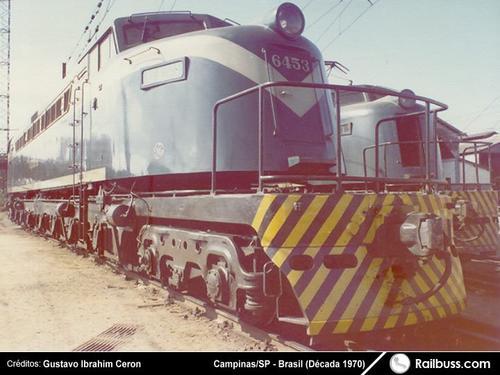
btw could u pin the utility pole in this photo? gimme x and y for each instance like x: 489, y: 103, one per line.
x: 5, y: 70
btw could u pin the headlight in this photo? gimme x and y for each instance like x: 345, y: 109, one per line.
x: 288, y: 20
x: 407, y: 103
x: 422, y: 233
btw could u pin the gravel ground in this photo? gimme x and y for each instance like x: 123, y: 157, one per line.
x: 54, y: 300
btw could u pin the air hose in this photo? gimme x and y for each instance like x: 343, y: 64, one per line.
x: 441, y: 283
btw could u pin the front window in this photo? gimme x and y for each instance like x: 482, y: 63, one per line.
x: 446, y: 150
x: 351, y: 97
x: 141, y: 32
x: 409, y: 136
x: 146, y: 27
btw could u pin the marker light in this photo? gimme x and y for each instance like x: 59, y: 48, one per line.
x: 288, y: 20
x: 407, y: 103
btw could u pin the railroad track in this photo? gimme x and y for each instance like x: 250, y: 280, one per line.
x: 213, y: 313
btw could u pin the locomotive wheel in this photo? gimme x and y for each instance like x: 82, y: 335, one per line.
x: 148, y: 261
x: 217, y: 284
x: 260, y: 313
x: 73, y: 232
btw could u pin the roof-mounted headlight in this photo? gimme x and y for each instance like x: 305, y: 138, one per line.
x: 288, y: 20
x: 407, y: 103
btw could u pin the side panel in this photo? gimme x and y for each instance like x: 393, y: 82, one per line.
x: 480, y: 235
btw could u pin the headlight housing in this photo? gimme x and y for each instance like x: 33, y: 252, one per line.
x: 407, y: 103
x: 422, y: 233
x: 288, y: 20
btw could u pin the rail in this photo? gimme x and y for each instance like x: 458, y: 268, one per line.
x: 338, y: 177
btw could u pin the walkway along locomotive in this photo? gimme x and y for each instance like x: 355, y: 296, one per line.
x: 206, y: 155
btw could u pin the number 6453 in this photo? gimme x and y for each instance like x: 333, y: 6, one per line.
x: 292, y: 63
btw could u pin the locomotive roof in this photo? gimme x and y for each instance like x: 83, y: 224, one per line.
x: 206, y: 21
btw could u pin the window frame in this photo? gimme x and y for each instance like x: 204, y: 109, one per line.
x: 183, y: 77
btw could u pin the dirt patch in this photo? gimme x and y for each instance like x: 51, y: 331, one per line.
x: 54, y: 300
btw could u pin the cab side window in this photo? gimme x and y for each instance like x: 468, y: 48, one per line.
x: 101, y: 53
x: 106, y: 50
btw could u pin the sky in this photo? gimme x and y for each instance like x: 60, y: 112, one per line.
x: 445, y: 49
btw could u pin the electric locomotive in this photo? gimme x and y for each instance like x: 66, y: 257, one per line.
x: 386, y: 136
x: 209, y: 156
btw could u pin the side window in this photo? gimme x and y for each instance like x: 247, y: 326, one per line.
x: 48, y: 120
x: 54, y: 113
x: 171, y: 71
x: 36, y: 127
x: 39, y: 123
x: 106, y: 50
x: 67, y: 98
x: 58, y: 107
x: 93, y: 61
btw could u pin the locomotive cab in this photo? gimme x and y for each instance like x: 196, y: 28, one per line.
x: 393, y: 127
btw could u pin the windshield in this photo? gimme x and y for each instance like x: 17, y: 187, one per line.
x: 141, y: 32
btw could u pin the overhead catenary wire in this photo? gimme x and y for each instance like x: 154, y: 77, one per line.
x: 334, y: 20
x: 97, y: 28
x: 306, y: 5
x: 161, y: 5
x: 341, y: 32
x: 173, y: 5
x: 331, y: 9
x: 481, y: 112
x: 86, y: 28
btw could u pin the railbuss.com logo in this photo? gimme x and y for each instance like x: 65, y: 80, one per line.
x: 399, y: 363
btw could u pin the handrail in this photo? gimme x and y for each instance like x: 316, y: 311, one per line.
x: 475, y: 144
x: 129, y: 58
x: 336, y: 89
x: 345, y: 178
x: 476, y: 162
